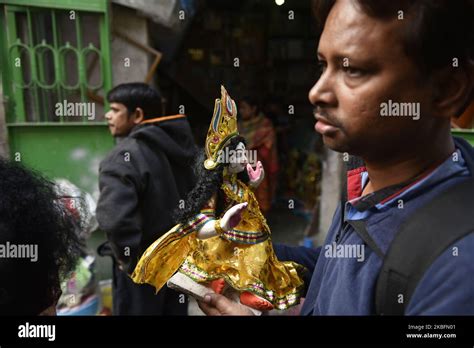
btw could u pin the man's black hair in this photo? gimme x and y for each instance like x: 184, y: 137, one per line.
x: 31, y: 214
x: 137, y: 95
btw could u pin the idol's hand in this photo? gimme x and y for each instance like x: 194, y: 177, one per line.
x: 230, y: 219
x: 232, y: 216
x: 256, y: 176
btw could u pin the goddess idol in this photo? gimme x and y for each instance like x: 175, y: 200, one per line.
x: 221, y: 239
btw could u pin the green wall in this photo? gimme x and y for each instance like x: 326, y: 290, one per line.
x: 71, y: 151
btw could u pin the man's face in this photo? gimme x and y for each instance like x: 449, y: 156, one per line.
x: 364, y: 65
x: 119, y: 121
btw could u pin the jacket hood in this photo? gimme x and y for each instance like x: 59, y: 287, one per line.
x: 172, y: 137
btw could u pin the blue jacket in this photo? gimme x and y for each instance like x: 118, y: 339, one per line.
x: 345, y: 285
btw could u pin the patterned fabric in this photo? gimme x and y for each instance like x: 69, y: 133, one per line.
x: 222, y: 129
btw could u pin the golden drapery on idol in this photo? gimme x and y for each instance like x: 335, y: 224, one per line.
x: 243, y: 256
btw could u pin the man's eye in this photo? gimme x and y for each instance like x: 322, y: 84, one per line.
x: 321, y: 67
x: 353, y: 72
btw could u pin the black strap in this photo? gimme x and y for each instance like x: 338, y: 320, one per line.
x: 360, y: 228
x: 420, y: 240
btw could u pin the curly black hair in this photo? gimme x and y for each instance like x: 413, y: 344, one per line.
x: 31, y: 214
x: 208, y: 183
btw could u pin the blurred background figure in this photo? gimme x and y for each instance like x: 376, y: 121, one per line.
x: 141, y: 181
x: 260, y: 135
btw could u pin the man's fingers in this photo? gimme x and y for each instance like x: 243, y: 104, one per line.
x: 208, y: 309
x: 221, y: 303
x: 214, y: 304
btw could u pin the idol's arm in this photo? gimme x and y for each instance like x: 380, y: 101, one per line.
x: 230, y: 219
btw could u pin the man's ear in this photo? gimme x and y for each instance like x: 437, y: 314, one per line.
x: 454, y: 90
x: 139, y: 116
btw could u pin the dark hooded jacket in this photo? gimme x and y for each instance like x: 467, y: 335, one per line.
x: 141, y: 182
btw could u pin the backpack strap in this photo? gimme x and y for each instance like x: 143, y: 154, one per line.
x: 420, y: 240
x: 361, y: 229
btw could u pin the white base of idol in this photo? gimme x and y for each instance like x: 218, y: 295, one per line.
x: 186, y: 285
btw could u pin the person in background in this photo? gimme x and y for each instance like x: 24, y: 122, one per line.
x: 32, y: 219
x: 275, y: 111
x: 260, y: 136
x: 141, y: 182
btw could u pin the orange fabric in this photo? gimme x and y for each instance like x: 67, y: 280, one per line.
x: 255, y: 302
x: 218, y: 285
x: 163, y: 118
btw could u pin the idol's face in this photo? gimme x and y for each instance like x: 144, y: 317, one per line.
x: 238, y: 159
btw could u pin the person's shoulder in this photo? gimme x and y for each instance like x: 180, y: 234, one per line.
x: 446, y: 287
x: 458, y: 257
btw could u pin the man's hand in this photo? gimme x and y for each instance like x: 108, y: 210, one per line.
x: 215, y: 304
